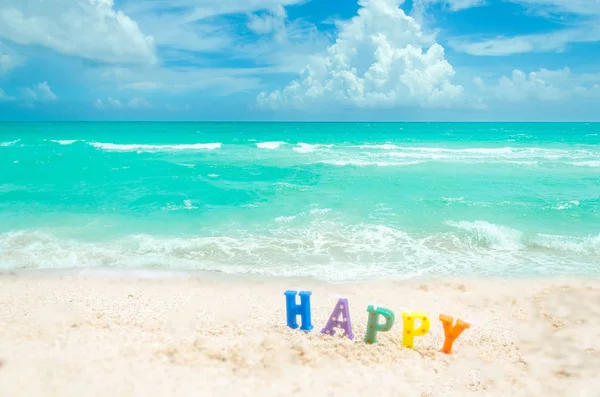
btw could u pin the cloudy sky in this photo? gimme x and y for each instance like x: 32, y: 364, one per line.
x: 300, y: 60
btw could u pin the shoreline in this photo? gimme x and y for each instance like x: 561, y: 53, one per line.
x: 75, y: 334
x: 187, y: 274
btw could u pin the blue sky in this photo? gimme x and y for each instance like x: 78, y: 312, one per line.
x: 479, y: 60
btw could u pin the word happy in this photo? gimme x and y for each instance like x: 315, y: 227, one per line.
x: 340, y: 318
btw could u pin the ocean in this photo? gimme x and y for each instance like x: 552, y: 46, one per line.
x: 334, y: 201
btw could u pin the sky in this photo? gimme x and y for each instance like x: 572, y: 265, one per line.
x: 300, y: 60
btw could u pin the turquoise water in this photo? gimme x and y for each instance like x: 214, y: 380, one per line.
x: 337, y: 201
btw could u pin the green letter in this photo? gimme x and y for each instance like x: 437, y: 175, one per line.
x: 373, y: 325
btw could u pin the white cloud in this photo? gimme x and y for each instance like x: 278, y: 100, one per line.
x: 205, y: 9
x: 4, y: 97
x: 457, y: 5
x: 90, y: 29
x: 452, y: 5
x: 582, y: 7
x: 145, y: 86
x: 7, y: 62
x: 186, y: 30
x: 188, y: 79
x: 585, y: 29
x: 543, y: 85
x: 134, y: 103
x: 381, y: 58
x: 9, y: 59
x: 192, y: 25
x: 114, y: 103
x: 175, y: 32
x: 40, y: 92
x: 176, y: 108
x: 270, y: 22
x: 548, y: 42
x: 139, y: 103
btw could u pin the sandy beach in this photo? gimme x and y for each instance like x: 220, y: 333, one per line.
x: 78, y: 335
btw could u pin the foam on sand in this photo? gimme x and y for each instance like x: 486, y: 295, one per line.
x: 311, y: 244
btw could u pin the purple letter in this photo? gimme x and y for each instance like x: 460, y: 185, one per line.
x: 342, y: 312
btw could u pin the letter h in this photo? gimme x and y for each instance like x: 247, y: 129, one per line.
x: 302, y: 309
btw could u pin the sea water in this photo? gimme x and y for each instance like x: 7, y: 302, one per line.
x: 335, y: 201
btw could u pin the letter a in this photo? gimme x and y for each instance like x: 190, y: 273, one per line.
x: 451, y: 333
x: 373, y: 325
x: 342, y: 312
x: 302, y: 309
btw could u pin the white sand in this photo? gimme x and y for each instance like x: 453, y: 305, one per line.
x: 102, y: 336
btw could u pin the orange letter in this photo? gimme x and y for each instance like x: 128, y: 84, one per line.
x: 451, y: 332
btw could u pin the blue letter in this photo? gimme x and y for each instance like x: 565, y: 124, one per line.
x: 302, y: 309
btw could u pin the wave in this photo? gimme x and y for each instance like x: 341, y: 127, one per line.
x: 270, y: 145
x: 593, y: 163
x: 187, y: 205
x: 566, y: 206
x: 388, y: 154
x: 487, y: 234
x: 10, y: 143
x: 114, y: 147
x: 367, y: 163
x: 385, y: 146
x: 589, y: 245
x: 309, y: 148
x: 64, y: 142
x: 321, y: 249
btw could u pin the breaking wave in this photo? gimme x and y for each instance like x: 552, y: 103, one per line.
x: 114, y: 147
x: 323, y: 250
x: 10, y: 143
x: 270, y: 145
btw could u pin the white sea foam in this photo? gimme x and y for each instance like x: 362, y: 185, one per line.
x: 319, y: 249
x: 114, y: 147
x: 270, y: 145
x: 591, y: 163
x: 369, y: 163
x: 10, y: 143
x: 309, y: 148
x: 488, y: 234
x: 285, y: 219
x: 589, y: 245
x: 319, y: 211
x: 453, y: 199
x: 187, y: 205
x: 385, y: 154
x: 64, y: 142
x: 567, y: 205
x: 385, y: 146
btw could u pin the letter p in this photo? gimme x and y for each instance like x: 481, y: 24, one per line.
x: 373, y: 325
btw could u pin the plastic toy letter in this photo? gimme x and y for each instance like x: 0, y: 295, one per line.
x: 341, y: 310
x: 451, y: 333
x: 373, y: 325
x: 302, y: 309
x: 409, y: 327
